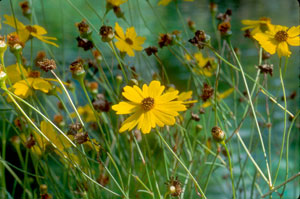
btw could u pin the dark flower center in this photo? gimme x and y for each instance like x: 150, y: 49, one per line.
x: 31, y: 29
x: 34, y: 74
x: 148, y: 103
x: 129, y: 41
x: 281, y: 36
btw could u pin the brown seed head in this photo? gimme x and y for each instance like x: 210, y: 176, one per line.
x: 74, y: 128
x: 174, y: 187
x: 83, y: 27
x: 76, y: 67
x: 195, y: 117
x: 224, y: 27
x: 207, y: 92
x: 217, y: 134
x: 101, y: 104
x: 14, y: 41
x: 151, y: 50
x: 34, y: 74
x: 30, y: 142
x: 81, y: 138
x: 266, y: 68
x: 47, y: 64
x: 84, y: 43
x: 165, y: 40
x: 106, y: 33
x: 281, y: 36
x: 25, y: 7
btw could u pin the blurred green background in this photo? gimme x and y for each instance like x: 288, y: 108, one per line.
x: 59, y: 18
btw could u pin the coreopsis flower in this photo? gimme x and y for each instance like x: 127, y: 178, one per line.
x: 166, y: 2
x: 220, y: 96
x: 41, y: 143
x: 149, y: 107
x: 205, y: 65
x: 129, y: 41
x: 116, y: 2
x: 278, y: 38
x: 27, y: 32
x: 86, y: 113
x: 257, y: 26
x: 25, y: 87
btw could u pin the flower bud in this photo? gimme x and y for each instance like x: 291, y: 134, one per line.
x: 3, y: 46
x: 106, y: 33
x: 77, y: 69
x: 217, y: 134
x: 119, y: 79
x: 3, y: 76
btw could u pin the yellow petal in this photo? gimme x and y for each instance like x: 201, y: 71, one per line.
x: 11, y: 21
x: 133, y: 94
x: 131, y: 122
x: 250, y: 22
x: 42, y: 85
x: 125, y: 107
x: 164, y: 2
x: 40, y: 30
x: 283, y: 49
x: 294, y: 31
x: 23, y: 88
x: 119, y: 31
x: 267, y: 43
x: 163, y: 117
x: 130, y: 33
x: 169, y: 96
x: 225, y: 93
x: 155, y: 89
x: 14, y: 73
x: 42, y: 38
x: 294, y: 41
x: 146, y: 123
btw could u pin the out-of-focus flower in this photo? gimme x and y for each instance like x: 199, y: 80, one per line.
x: 205, y: 65
x: 24, y: 87
x: 129, y: 41
x: 26, y: 32
x: 149, y: 107
x: 278, y: 38
x: 86, y: 113
x: 257, y: 26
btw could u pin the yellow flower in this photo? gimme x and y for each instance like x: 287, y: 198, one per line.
x: 185, y: 97
x: 206, y: 65
x: 86, y: 112
x: 256, y: 26
x: 116, y: 2
x: 220, y: 96
x: 33, y: 81
x: 129, y: 41
x: 149, y: 107
x: 278, y: 38
x: 57, y: 139
x: 26, y: 32
x: 166, y: 2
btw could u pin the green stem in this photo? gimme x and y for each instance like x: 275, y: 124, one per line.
x: 230, y: 169
x: 182, y: 164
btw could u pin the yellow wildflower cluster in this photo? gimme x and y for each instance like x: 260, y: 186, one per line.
x: 273, y: 38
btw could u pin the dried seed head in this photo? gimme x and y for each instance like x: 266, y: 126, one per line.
x: 84, y: 43
x: 191, y: 25
x: 174, y: 187
x: 83, y: 28
x: 101, y: 104
x: 118, y: 12
x: 224, y: 28
x: 97, y: 55
x: 247, y: 33
x: 3, y: 45
x: 201, y: 110
x: 207, y: 92
x: 59, y: 120
x: 25, y: 8
x: 81, y: 138
x: 77, y: 68
x: 225, y: 17
x: 30, y: 142
x: 266, y: 68
x: 200, y: 39
x: 93, y: 87
x: 217, y: 134
x: 165, y: 40
x: 195, y: 117
x: 74, y: 128
x: 14, y: 42
x: 151, y: 50
x: 106, y: 33
x: 47, y: 64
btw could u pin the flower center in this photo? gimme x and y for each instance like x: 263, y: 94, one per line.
x: 31, y: 29
x: 281, y: 36
x: 129, y: 41
x: 148, y: 103
x: 208, y: 65
x: 34, y: 74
